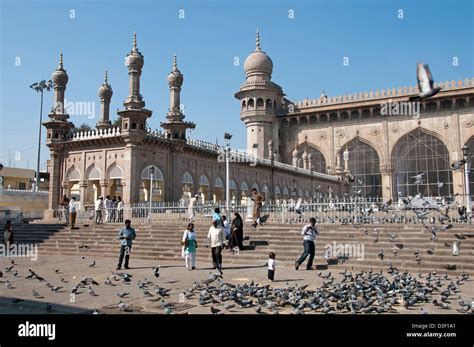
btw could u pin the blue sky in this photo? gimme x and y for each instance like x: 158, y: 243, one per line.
x: 307, y: 51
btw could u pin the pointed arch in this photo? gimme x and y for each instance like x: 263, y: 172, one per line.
x: 420, y: 152
x: 364, y: 165
x: 73, y: 174
x: 318, y: 156
x: 114, y: 171
x: 93, y: 173
x: 157, y: 175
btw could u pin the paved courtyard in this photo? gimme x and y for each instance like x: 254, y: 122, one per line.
x: 173, y: 276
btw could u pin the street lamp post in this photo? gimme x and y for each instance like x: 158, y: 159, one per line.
x: 467, y: 171
x: 152, y: 172
x: 40, y: 87
x: 227, y: 138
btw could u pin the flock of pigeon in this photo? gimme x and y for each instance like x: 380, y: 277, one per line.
x: 360, y: 292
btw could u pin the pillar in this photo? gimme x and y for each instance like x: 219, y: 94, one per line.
x: 54, y: 185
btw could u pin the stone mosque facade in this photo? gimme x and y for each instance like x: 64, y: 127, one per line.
x: 375, y: 138
x: 120, y: 161
x: 294, y: 148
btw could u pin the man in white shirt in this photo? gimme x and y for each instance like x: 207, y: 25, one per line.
x: 108, y: 208
x: 98, y: 206
x: 309, y: 232
x: 120, y: 209
x: 217, y: 239
x: 226, y: 227
x: 72, y: 213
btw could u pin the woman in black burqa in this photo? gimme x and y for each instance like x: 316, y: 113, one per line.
x: 237, y: 235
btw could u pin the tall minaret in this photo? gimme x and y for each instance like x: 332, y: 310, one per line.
x: 260, y: 99
x: 175, y: 127
x: 57, y: 130
x: 60, y: 79
x: 134, y: 115
x: 105, y: 94
x: 134, y: 62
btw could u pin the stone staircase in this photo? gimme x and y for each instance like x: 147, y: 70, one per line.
x: 162, y: 242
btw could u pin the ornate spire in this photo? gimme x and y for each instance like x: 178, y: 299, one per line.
x: 60, y: 67
x: 175, y: 63
x: 135, y: 49
x: 257, y: 48
x: 106, y: 78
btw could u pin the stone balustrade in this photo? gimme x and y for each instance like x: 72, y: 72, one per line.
x: 95, y: 134
x: 384, y: 93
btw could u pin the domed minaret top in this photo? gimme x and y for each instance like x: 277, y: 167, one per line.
x: 60, y: 76
x: 258, y: 65
x: 105, y: 90
x: 135, y: 58
x: 175, y: 77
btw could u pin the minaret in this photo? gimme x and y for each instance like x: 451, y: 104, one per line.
x: 105, y: 94
x: 60, y: 79
x: 134, y: 115
x: 175, y: 126
x: 57, y: 130
x: 260, y: 99
x: 134, y: 62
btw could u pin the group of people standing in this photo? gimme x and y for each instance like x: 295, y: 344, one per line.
x: 113, y: 208
x: 69, y: 211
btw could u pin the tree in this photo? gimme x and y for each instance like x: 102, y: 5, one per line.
x: 117, y: 122
x: 83, y: 127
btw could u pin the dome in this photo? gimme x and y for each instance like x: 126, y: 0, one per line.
x: 134, y: 59
x: 105, y: 90
x: 59, y: 76
x: 295, y: 153
x: 258, y: 61
x: 175, y: 77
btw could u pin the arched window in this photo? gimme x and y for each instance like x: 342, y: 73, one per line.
x: 187, y: 178
x: 460, y: 103
x: 419, y: 153
x: 293, y: 121
x: 244, y: 104
x: 446, y: 104
x: 255, y: 185
x: 284, y: 123
x: 259, y: 103
x: 323, y: 118
x: 244, y: 186
x: 285, y: 191
x: 157, y: 174
x: 94, y: 174
x: 134, y: 125
x: 303, y: 120
x: 232, y: 184
x: 251, y: 104
x: 218, y: 183
x: 313, y: 119
x: 365, y: 113
x: 344, y: 115
x: 269, y: 104
x: 355, y: 114
x: 333, y: 117
x: 158, y: 191
x: 277, y: 190
x: 431, y: 107
x: 316, y: 159
x: 203, y: 181
x: 365, y: 167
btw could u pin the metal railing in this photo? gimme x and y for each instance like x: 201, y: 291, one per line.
x: 355, y: 211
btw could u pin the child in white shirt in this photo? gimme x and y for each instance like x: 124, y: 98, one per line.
x: 271, y: 266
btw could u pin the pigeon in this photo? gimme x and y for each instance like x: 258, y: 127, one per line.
x: 425, y: 83
x: 123, y: 306
x: 56, y: 288
x: 91, y: 291
x: 63, y: 280
x: 214, y: 310
x: 57, y: 271
x: 228, y: 306
x: 16, y: 300
x: 380, y: 254
x: 36, y: 294
x: 8, y: 285
x: 109, y: 282
x: 9, y: 269
x: 122, y: 294
x: 1, y: 274
x: 156, y: 271
x: 93, y: 264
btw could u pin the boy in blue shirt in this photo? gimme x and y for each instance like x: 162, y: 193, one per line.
x: 126, y: 236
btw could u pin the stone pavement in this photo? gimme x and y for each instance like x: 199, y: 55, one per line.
x: 173, y: 275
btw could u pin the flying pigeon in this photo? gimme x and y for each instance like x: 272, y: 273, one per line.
x: 425, y: 83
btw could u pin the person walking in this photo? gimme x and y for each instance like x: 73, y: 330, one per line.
x: 98, y: 206
x: 258, y: 199
x: 190, y: 244
x: 309, y: 232
x: 119, y: 210
x: 126, y: 236
x: 72, y: 213
x: 217, y: 239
